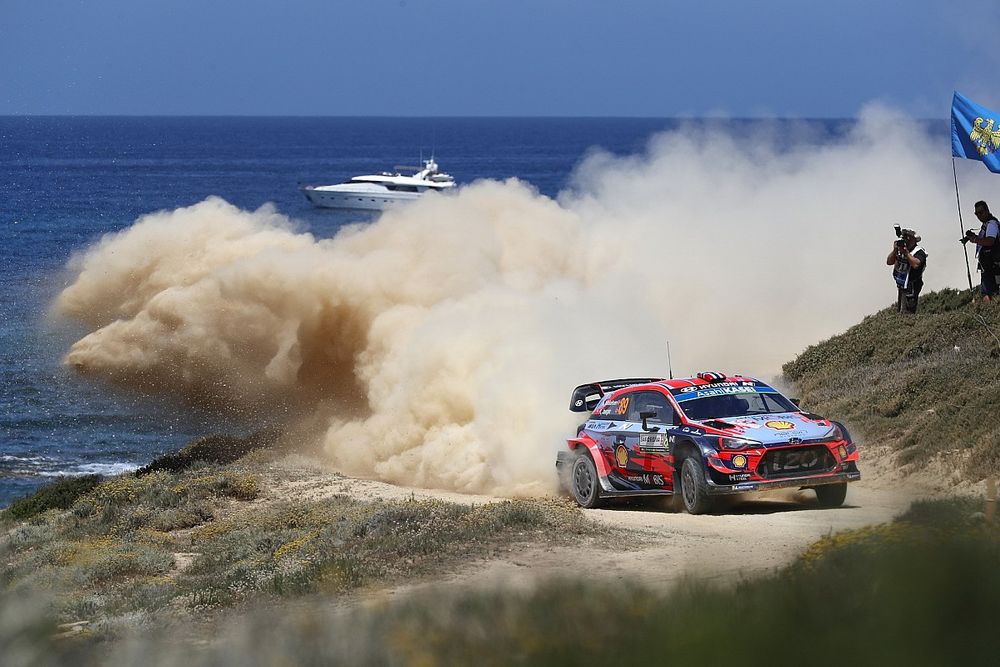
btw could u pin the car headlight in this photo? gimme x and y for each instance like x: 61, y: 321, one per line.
x: 838, y: 432
x: 737, y: 443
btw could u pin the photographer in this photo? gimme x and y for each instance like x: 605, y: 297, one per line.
x: 987, y: 251
x: 908, y: 261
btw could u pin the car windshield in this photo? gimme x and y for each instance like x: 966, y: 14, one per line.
x: 736, y: 405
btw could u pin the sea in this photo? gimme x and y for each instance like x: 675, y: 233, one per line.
x: 66, y: 181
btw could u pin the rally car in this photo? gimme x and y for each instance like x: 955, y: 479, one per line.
x: 701, y: 437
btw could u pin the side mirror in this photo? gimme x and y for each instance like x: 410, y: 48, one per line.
x: 795, y: 401
x: 649, y: 414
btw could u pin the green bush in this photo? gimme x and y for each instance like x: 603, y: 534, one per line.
x: 218, y: 449
x: 60, y: 494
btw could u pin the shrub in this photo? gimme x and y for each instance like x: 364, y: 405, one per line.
x: 924, y: 385
x: 210, y: 449
x: 60, y: 494
x: 925, y: 591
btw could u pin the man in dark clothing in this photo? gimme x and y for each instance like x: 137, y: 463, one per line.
x: 987, y: 251
x: 908, y: 261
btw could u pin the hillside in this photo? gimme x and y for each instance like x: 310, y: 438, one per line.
x: 925, y: 386
x: 234, y: 550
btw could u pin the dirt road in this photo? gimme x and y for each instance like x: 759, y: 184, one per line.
x: 750, y: 537
x: 747, y: 537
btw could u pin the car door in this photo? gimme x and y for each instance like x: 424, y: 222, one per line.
x: 618, y: 438
x: 649, y: 448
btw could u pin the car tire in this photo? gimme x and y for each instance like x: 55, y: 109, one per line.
x: 831, y: 495
x: 584, y: 483
x: 694, y: 487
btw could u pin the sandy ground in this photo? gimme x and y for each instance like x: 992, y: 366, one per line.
x: 750, y: 535
x: 660, y: 547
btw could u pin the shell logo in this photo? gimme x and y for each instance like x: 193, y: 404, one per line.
x: 739, y: 461
x: 779, y: 425
x: 621, y: 455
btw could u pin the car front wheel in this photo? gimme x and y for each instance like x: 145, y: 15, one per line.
x: 585, y: 484
x: 831, y: 495
x: 694, y: 488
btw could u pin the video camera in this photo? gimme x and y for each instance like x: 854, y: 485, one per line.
x: 900, y: 241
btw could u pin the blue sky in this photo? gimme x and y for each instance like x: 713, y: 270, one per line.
x: 486, y: 58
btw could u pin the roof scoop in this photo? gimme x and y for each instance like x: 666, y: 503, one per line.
x: 718, y: 424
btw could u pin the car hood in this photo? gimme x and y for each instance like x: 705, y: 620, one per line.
x: 772, y: 429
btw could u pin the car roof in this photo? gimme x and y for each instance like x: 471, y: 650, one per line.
x: 587, y: 396
x: 704, y: 379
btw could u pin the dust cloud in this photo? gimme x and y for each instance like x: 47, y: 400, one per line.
x: 438, y: 346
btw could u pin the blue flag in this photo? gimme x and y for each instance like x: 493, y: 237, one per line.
x: 975, y: 132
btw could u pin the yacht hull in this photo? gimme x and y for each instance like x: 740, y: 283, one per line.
x: 372, y: 201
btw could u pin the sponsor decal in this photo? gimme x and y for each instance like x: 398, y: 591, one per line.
x: 795, y: 459
x: 658, y: 480
x: 779, y: 424
x: 721, y: 389
x: 621, y: 455
x: 610, y: 407
x: 714, y: 391
x: 739, y: 477
x: 739, y: 461
x: 701, y: 387
x: 652, y: 443
x: 641, y: 479
x: 758, y: 420
x: 744, y: 487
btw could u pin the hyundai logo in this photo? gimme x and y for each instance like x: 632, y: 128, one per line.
x: 794, y: 441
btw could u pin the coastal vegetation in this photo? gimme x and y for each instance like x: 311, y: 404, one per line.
x: 196, y: 559
x: 923, y: 590
x: 59, y: 494
x: 145, y: 549
x: 927, y: 386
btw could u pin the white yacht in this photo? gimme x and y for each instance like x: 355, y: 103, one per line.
x: 377, y: 191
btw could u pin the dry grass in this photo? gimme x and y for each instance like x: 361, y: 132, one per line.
x: 928, y: 385
x: 136, y: 550
x: 922, y: 591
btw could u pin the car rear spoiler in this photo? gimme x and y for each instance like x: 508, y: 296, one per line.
x: 586, y: 397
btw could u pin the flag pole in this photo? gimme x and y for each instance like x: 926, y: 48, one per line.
x: 961, y: 224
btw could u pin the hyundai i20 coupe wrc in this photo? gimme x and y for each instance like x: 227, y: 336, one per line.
x: 699, y: 438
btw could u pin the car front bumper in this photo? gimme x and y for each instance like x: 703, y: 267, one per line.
x: 851, y: 475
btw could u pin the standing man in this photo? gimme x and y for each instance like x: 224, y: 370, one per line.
x: 986, y: 250
x: 908, y: 261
